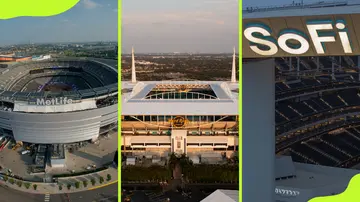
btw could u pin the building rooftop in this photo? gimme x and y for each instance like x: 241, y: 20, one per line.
x: 136, y: 102
x: 223, y: 196
x: 310, y: 180
x: 58, y: 151
x: 298, y: 9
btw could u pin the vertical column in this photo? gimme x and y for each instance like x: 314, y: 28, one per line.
x: 318, y: 63
x: 258, y: 133
x: 340, y: 62
x: 359, y: 66
x: 333, y: 68
x: 298, y: 66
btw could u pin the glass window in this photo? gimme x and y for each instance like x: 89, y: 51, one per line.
x: 167, y: 118
x: 196, y: 118
x: 203, y: 118
x: 154, y: 118
x: 211, y: 118
x: 161, y: 118
x: 147, y: 118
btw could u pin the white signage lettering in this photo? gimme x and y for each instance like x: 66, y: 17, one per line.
x: 321, y: 32
x: 286, y: 192
x: 248, y: 33
x: 304, y: 44
x: 54, y: 101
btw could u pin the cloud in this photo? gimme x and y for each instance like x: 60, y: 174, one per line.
x: 89, y: 4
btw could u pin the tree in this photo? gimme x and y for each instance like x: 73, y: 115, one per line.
x: 27, y: 185
x: 93, y: 181
x: 185, y: 164
x: 108, y: 177
x: 12, y: 181
x: 19, y: 183
x: 101, y: 179
x: 173, y: 160
x: 77, y: 185
x: 5, y: 178
x: 69, y: 186
x: 85, y: 183
x: 35, y: 186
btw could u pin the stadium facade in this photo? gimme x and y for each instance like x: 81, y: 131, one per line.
x: 13, y: 58
x: 306, y: 101
x: 63, y: 100
x: 191, y: 117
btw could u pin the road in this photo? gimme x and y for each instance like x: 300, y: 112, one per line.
x: 105, y: 194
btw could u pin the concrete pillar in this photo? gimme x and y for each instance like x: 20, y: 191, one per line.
x: 333, y: 68
x: 298, y: 66
x: 359, y: 66
x: 318, y: 63
x: 258, y: 135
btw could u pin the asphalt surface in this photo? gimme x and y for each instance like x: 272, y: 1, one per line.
x: 194, y: 192
x: 105, y: 194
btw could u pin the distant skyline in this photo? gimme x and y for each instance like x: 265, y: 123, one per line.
x: 89, y: 20
x: 264, y: 3
x: 204, y: 26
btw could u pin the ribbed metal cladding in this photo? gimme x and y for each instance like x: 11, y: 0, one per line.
x: 58, y: 127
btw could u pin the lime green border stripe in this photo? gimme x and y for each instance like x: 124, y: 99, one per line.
x: 119, y: 99
x: 240, y: 99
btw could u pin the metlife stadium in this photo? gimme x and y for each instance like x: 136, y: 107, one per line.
x: 56, y: 101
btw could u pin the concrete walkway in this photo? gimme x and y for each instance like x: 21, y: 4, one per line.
x: 53, y: 188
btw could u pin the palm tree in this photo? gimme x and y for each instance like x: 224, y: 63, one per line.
x: 173, y: 160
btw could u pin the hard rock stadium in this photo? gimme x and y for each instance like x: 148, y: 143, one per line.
x: 301, y: 121
x: 192, y: 117
x: 57, y: 101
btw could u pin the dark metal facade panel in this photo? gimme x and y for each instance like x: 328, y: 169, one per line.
x: 58, y: 127
x: 278, y: 24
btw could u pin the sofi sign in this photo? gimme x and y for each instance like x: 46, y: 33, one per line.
x: 296, y: 42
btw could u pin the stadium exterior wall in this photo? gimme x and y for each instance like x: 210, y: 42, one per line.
x: 53, y: 128
x: 259, y: 130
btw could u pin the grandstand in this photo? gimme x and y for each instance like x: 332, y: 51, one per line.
x: 311, y: 109
x: 30, y: 107
x: 317, y: 115
x: 192, y: 117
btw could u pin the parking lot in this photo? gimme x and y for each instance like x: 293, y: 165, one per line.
x: 17, y: 163
x: 92, y: 154
x: 88, y: 157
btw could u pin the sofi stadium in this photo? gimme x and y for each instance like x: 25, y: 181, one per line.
x: 191, y: 117
x: 301, y: 73
x: 63, y: 100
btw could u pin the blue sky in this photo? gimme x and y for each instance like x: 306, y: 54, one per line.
x: 89, y: 20
x: 207, y: 26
